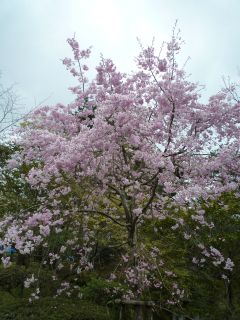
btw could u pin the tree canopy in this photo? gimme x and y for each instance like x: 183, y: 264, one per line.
x: 135, y: 166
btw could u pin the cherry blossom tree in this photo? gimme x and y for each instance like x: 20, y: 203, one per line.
x: 129, y: 149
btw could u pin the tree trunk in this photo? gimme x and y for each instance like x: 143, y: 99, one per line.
x: 132, y: 242
x: 230, y: 299
x: 149, y: 313
x: 132, y: 235
x: 139, y: 312
x: 120, y: 312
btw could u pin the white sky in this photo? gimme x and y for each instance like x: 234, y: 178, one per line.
x: 33, y: 37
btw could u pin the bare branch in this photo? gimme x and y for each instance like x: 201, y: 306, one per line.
x: 105, y: 215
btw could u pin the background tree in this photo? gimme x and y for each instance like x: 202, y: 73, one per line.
x: 9, y: 108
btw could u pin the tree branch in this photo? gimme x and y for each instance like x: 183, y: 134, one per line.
x: 105, y: 215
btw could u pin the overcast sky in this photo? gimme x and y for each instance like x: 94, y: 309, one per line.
x: 33, y: 39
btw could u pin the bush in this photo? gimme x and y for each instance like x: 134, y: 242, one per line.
x: 101, y: 291
x: 51, y: 309
x: 11, y: 279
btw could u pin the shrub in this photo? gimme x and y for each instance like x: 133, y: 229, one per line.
x: 51, y: 309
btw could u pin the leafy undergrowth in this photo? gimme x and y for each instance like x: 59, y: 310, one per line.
x: 12, y: 308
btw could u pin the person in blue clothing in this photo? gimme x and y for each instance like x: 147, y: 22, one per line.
x: 2, y: 248
x: 11, y: 249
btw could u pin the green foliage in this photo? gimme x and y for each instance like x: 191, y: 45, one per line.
x: 11, y: 279
x: 5, y: 152
x: 15, y: 193
x: 102, y: 291
x: 51, y: 309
